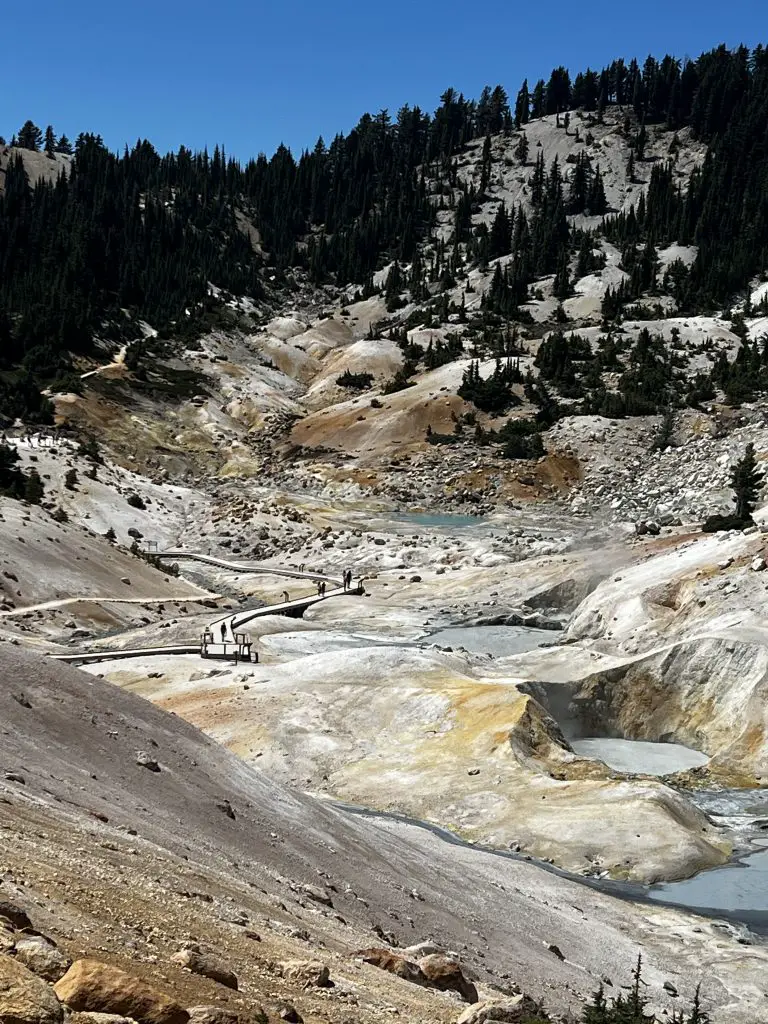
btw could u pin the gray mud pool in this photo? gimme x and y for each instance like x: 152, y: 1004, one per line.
x: 499, y: 641
x: 640, y: 756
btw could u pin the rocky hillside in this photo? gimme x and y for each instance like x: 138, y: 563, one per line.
x: 247, y: 897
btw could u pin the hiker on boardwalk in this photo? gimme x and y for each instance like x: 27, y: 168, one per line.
x: 347, y: 579
x: 286, y: 597
x: 223, y: 632
x: 322, y: 588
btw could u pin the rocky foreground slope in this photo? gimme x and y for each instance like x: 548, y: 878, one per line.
x: 128, y: 837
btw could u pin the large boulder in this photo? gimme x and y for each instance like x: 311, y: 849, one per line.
x: 516, y: 1010
x: 14, y: 914
x: 211, y: 1015
x: 25, y: 999
x: 7, y: 937
x: 394, y: 964
x: 206, y: 965
x: 446, y: 974
x: 42, y: 958
x: 420, y: 949
x: 93, y: 986
x: 306, y: 972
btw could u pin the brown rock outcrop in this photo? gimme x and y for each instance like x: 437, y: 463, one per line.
x: 24, y: 998
x: 94, y: 986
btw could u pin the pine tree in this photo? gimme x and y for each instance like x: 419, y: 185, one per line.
x: 697, y: 1015
x: 394, y: 287
x: 485, y: 166
x: 30, y: 136
x: 50, y: 143
x: 537, y: 99
x: 631, y: 167
x: 597, y: 201
x: 11, y: 477
x: 521, y: 149
x: 562, y: 285
x: 64, y: 146
x: 579, y: 189
x: 523, y: 106
x: 597, y: 1011
x: 746, y: 480
x: 33, y: 490
x: 663, y: 437
x: 500, y: 238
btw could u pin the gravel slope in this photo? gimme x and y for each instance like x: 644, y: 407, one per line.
x: 74, y: 740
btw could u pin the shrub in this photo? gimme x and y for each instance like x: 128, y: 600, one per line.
x: 712, y: 524
x: 355, y: 381
x: 90, y: 450
x: 135, y: 501
x: 33, y: 490
x: 401, y: 380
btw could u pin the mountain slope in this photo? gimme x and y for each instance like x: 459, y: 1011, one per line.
x: 74, y: 740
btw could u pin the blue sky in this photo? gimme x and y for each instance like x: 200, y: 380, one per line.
x: 251, y: 75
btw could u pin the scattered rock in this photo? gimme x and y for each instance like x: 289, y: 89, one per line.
x: 42, y: 958
x: 556, y: 950
x: 306, y: 972
x: 143, y: 760
x: 757, y: 564
x: 421, y: 949
x: 92, y: 985
x: 7, y: 941
x: 510, y: 1011
x: 669, y: 987
x: 17, y: 917
x: 206, y: 965
x: 394, y: 964
x: 99, y: 1018
x: 289, y: 1012
x: 318, y: 894
x: 446, y: 975
x: 211, y: 1015
x: 15, y: 777
x: 25, y: 999
x: 226, y: 808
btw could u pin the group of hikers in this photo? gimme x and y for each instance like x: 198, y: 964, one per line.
x: 44, y: 438
x: 346, y: 578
